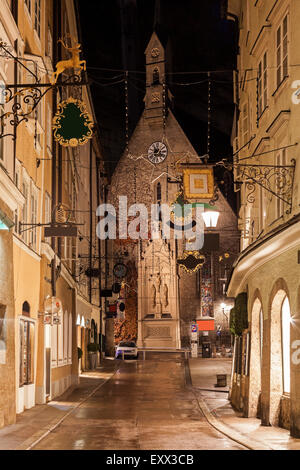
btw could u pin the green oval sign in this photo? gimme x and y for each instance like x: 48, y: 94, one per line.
x: 72, y: 124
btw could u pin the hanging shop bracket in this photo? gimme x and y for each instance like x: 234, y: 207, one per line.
x: 278, y: 180
x: 25, y: 97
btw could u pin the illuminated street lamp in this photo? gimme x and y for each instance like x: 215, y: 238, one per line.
x: 210, y: 218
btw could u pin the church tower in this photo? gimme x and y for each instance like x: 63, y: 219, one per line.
x: 148, y: 173
x: 155, y: 99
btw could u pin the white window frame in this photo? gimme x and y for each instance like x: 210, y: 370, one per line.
x: 281, y: 43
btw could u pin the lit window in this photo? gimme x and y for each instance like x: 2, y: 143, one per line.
x: 285, y: 339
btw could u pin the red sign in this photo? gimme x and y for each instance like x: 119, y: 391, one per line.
x: 112, y: 308
x: 206, y: 325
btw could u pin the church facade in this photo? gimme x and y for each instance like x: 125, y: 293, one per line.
x: 149, y: 172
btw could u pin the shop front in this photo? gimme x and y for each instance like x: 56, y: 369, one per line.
x: 84, y: 313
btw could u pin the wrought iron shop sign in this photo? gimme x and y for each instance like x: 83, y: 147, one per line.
x: 278, y: 180
x: 192, y: 261
x: 72, y: 124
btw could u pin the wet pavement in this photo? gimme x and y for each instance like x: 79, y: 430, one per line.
x: 146, y: 405
x: 248, y: 430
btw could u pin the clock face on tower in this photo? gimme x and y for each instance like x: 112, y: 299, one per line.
x: 157, y: 152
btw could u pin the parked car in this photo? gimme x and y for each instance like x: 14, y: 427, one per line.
x: 129, y: 348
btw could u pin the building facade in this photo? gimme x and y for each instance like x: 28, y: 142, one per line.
x: 266, y: 372
x: 40, y: 182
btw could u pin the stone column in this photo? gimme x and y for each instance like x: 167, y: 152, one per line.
x: 265, y: 375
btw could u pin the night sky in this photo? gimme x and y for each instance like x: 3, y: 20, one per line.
x: 197, y: 38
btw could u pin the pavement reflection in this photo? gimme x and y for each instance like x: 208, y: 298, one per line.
x: 144, y: 406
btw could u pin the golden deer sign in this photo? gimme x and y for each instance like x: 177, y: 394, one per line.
x: 73, y: 63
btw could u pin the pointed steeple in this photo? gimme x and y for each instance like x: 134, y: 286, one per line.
x: 155, y: 78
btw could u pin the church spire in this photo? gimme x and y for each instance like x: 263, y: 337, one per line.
x: 155, y: 78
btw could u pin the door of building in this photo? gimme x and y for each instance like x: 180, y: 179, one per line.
x: 48, y: 361
x: 26, y: 352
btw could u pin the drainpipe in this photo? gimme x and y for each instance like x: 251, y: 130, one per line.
x: 56, y: 31
x: 99, y: 257
x: 91, y: 218
x: 15, y: 103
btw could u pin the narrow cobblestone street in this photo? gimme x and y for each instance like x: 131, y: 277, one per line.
x: 145, y: 405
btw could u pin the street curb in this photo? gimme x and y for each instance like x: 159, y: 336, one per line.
x: 228, y: 431
x: 231, y: 433
x: 36, y: 438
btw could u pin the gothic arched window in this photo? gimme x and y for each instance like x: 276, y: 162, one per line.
x: 155, y: 76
